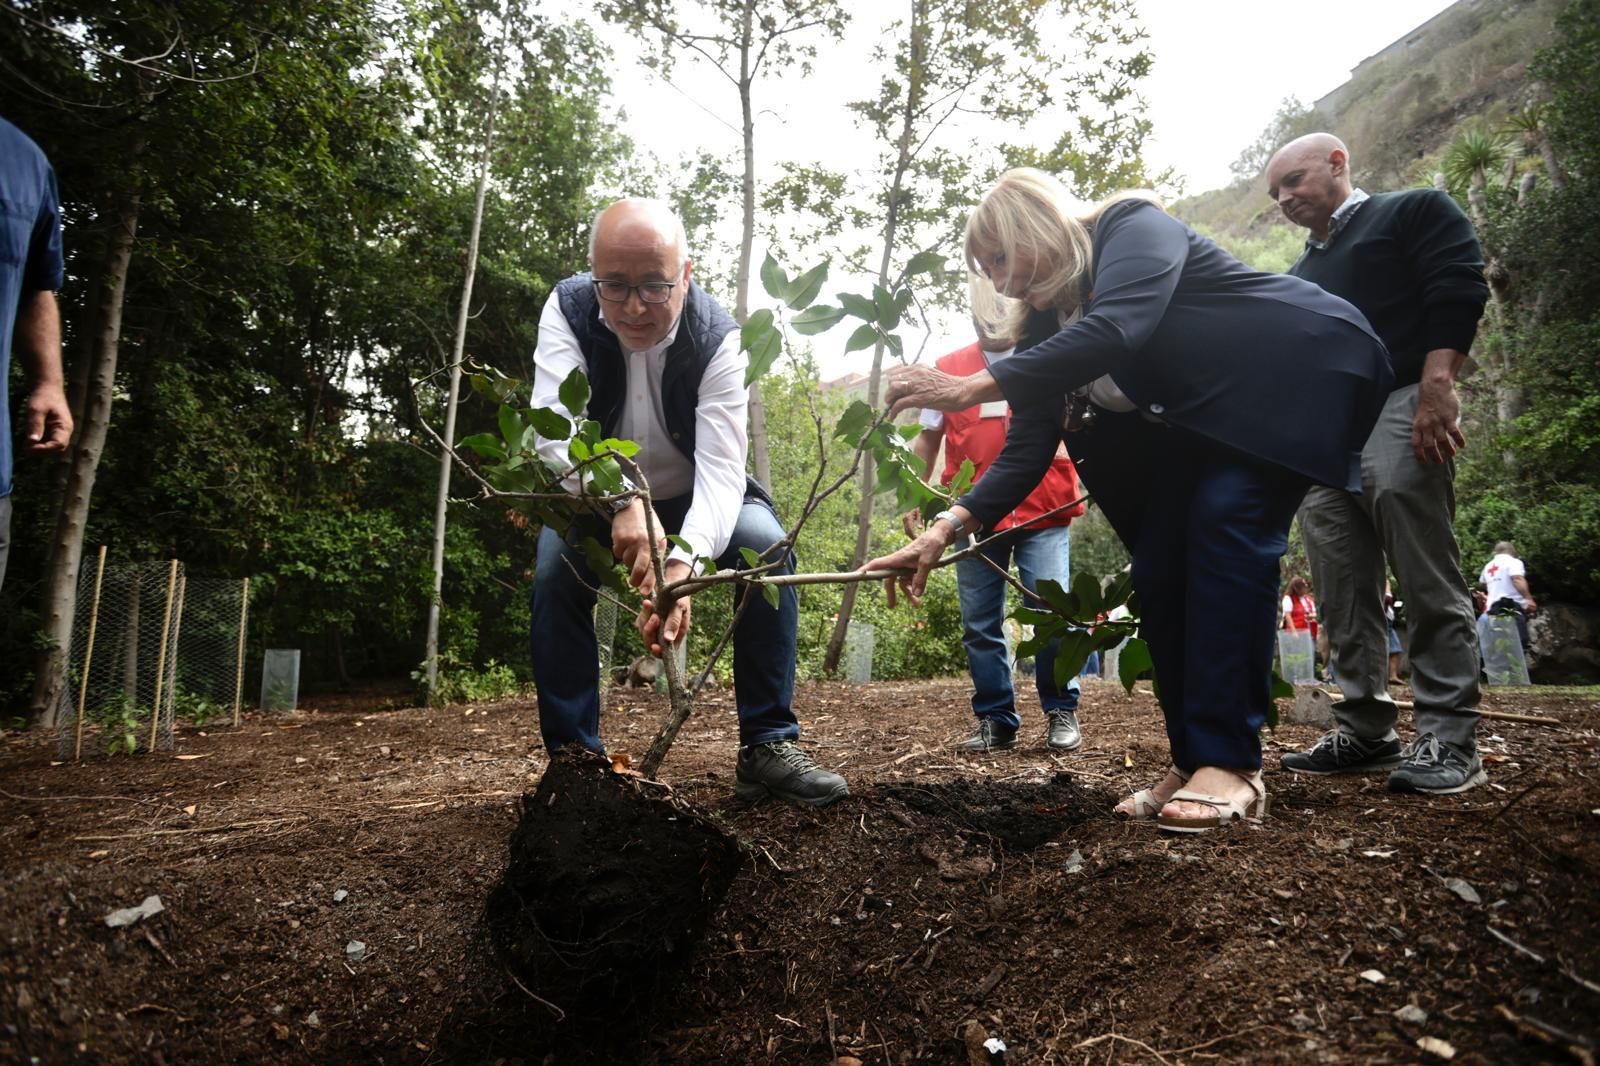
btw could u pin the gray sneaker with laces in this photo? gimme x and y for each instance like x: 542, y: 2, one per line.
x: 785, y: 770
x: 1342, y: 752
x: 1435, y: 767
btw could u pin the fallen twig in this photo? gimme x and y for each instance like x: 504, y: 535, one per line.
x: 1580, y: 1048
x: 560, y: 1014
x: 1126, y: 1040
x: 183, y: 832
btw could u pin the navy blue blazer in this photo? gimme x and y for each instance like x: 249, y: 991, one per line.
x: 1266, y: 364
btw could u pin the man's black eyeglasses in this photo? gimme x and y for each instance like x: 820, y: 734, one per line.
x: 651, y: 292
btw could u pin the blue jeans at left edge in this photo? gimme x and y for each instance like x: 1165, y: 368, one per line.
x: 1040, y: 555
x: 566, y: 663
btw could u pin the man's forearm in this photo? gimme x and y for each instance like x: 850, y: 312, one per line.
x: 38, y: 336
x: 1442, y: 365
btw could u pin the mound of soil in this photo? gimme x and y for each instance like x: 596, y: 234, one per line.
x: 610, y: 881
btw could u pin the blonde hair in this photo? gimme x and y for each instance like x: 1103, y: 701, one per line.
x: 1027, y: 214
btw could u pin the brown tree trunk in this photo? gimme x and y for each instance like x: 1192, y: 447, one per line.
x: 914, y: 92
x: 759, y: 448
x: 66, y: 550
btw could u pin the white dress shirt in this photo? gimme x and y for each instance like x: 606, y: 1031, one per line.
x: 717, y: 475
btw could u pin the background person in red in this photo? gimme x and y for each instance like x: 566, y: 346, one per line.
x: 1040, y: 550
x: 1299, y: 607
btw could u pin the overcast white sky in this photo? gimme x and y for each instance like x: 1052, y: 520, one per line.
x: 1222, y: 68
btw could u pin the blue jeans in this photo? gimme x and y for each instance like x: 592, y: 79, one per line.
x: 566, y: 665
x: 1040, y: 555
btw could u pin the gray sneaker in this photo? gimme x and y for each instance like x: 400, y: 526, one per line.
x: 989, y: 736
x: 1434, y: 766
x: 1063, y: 733
x: 785, y: 770
x: 1342, y: 752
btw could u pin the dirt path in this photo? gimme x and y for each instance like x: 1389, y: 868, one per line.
x: 946, y: 891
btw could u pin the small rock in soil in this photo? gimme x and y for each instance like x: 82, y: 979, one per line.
x: 1302, y: 1022
x: 313, y: 1021
x: 1462, y: 889
x: 1375, y: 976
x: 1074, y: 863
x: 355, y: 951
x: 1411, y: 1014
x: 340, y: 896
x: 129, y: 915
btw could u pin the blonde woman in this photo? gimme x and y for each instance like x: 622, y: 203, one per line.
x: 1160, y: 360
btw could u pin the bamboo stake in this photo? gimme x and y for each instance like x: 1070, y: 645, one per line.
x: 161, y: 655
x: 177, y: 628
x: 88, y: 652
x: 238, y: 673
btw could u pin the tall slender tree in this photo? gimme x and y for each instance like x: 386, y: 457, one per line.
x: 741, y: 40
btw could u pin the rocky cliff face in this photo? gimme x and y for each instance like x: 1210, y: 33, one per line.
x: 1564, y: 644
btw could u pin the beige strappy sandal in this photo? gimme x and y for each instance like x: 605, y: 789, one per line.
x: 1229, y: 812
x: 1146, y: 804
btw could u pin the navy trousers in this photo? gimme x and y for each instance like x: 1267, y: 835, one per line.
x: 1206, y: 527
x: 566, y: 663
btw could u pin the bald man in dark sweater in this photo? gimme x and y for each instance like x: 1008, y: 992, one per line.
x: 1411, y: 262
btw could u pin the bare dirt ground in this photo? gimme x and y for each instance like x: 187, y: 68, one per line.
x: 949, y: 900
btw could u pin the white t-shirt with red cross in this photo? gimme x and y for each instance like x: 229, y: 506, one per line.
x: 1497, y: 576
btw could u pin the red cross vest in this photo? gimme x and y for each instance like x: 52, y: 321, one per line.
x: 970, y: 435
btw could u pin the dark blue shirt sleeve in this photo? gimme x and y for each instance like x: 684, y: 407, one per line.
x: 1141, y: 251
x: 1446, y: 265
x: 1031, y: 441
x: 44, y: 269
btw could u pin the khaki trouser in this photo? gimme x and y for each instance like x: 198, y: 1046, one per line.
x: 1404, y: 512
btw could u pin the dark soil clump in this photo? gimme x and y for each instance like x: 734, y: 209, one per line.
x: 1017, y: 815
x: 610, y: 883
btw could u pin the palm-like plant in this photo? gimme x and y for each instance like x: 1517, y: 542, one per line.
x: 1468, y: 161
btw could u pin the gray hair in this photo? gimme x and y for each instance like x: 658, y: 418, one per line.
x: 1505, y: 547
x: 666, y: 220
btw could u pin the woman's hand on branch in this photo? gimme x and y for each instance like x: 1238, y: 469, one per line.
x: 917, y: 558
x: 658, y: 632
x: 926, y: 386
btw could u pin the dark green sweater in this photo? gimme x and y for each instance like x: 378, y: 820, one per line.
x: 1411, y: 262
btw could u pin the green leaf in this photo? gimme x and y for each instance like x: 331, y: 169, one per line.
x: 1060, y: 600
x: 817, y: 319
x: 799, y: 293
x: 925, y: 262
x: 1087, y: 589
x: 888, y: 310
x: 603, y: 564
x: 574, y: 392
x: 763, y: 352
x: 1028, y: 616
x: 770, y: 594
x: 578, y: 449
x: 626, y: 448
x: 909, y: 432
x: 859, y: 306
x: 751, y: 558
x: 893, y: 341
x: 1133, y: 660
x: 550, y: 423
x: 678, y: 542
x: 855, y: 421
x: 773, y: 279
x: 965, y: 475
x: 1071, y: 654
x: 606, y: 476
x: 1118, y: 591
x: 865, y: 336
x: 754, y: 327
x: 486, y: 445
x: 510, y: 426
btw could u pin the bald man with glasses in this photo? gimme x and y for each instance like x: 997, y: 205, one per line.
x: 665, y: 370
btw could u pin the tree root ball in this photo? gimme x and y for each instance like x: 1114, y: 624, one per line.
x: 610, y: 884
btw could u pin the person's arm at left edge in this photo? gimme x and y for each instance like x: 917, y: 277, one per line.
x: 720, y: 451
x: 1447, y: 263
x: 47, y: 420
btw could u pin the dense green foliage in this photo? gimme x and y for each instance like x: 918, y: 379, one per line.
x: 1533, y: 475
